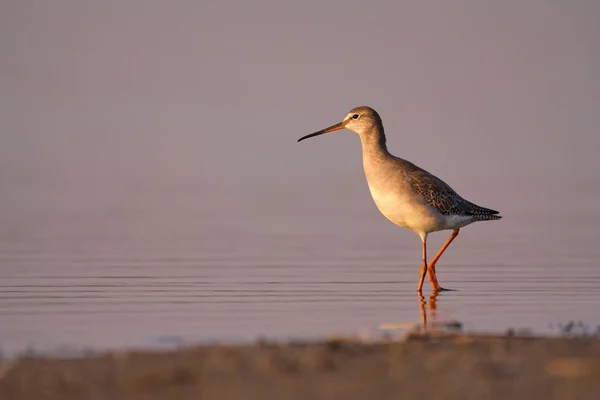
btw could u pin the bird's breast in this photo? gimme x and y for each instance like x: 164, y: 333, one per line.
x: 390, y: 203
x: 396, y: 200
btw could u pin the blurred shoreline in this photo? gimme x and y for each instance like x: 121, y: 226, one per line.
x: 433, y: 364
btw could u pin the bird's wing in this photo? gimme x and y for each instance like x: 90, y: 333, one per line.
x: 441, y: 196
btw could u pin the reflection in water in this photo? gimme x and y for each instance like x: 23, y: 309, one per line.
x: 429, y: 309
x: 431, y: 305
x: 430, y: 320
x: 424, y: 324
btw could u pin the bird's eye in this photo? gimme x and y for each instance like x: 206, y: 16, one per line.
x: 355, y: 116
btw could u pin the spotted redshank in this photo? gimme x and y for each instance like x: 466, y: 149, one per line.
x: 406, y: 194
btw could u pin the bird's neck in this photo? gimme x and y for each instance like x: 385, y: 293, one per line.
x: 373, y: 144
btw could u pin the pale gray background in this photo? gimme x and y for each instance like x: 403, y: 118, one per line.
x: 139, y: 137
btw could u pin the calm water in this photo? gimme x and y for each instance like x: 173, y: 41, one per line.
x: 156, y: 265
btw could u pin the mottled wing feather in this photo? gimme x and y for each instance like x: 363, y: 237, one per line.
x: 440, y: 195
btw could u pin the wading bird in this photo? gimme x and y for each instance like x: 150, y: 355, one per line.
x: 406, y: 194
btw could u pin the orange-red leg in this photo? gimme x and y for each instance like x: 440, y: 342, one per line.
x: 424, y: 266
x: 431, y: 268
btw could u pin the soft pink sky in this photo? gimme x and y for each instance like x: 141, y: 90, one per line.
x: 499, y: 98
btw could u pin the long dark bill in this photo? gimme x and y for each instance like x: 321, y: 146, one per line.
x: 330, y: 129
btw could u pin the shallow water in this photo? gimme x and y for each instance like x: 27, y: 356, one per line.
x: 154, y: 266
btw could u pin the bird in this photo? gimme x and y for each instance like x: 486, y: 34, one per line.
x: 406, y: 194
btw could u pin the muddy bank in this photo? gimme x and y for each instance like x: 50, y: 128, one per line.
x: 448, y: 366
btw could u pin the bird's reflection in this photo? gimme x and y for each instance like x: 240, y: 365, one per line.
x: 430, y: 320
x: 426, y: 305
x: 431, y: 305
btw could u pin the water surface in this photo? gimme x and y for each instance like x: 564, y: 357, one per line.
x: 151, y: 266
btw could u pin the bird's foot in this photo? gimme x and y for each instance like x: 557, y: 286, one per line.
x: 441, y: 289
